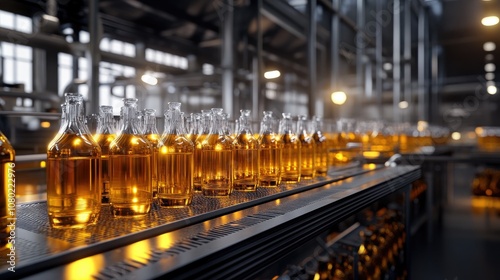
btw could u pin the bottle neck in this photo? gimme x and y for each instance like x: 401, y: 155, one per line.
x: 106, y: 127
x: 176, y: 126
x: 129, y: 120
x: 150, y: 125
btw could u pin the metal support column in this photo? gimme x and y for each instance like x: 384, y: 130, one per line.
x: 257, y: 66
x: 396, y: 59
x: 93, y: 55
x: 334, y: 49
x: 407, y: 91
x: 360, y: 44
x: 379, y: 63
x: 422, y: 65
x: 315, y: 102
x: 227, y: 57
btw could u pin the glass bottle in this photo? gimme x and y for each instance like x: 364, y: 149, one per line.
x: 204, y: 130
x: 62, y: 124
x: 152, y: 135
x: 7, y: 189
x: 217, y: 159
x: 104, y: 136
x: 130, y: 167
x: 175, y: 162
x: 291, y: 164
x: 269, y: 153
x: 246, y: 155
x: 308, y: 150
x: 73, y: 172
x: 321, y: 146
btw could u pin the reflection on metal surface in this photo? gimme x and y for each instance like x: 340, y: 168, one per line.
x: 164, y: 241
x: 371, y: 154
x: 84, y: 268
x: 138, y: 251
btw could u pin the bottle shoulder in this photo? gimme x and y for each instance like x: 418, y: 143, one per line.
x: 127, y: 144
x: 74, y: 145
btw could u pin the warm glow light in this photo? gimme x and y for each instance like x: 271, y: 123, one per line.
x: 489, y: 67
x: 134, y: 190
x: 45, y: 124
x: 403, y: 104
x: 372, y: 166
x: 490, y: 21
x: 339, y: 97
x: 371, y: 154
x: 135, y: 200
x: 77, y: 142
x: 149, y: 79
x: 456, y: 135
x: 479, y: 130
x: 489, y: 76
x: 43, y: 164
x: 272, y: 74
x: 489, y: 46
x: 82, y: 217
x: 492, y: 90
x: 362, y: 249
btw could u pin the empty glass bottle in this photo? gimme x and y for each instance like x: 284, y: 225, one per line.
x: 269, y: 153
x: 130, y: 167
x: 7, y: 189
x: 73, y: 172
x: 246, y: 155
x: 321, y: 146
x: 175, y: 162
x: 204, y: 130
x: 217, y: 159
x: 291, y: 164
x: 152, y: 135
x: 105, y: 134
x: 308, y: 150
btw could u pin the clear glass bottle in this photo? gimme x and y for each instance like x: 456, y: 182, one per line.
x: 269, y: 153
x: 104, y: 136
x: 74, y: 172
x: 130, y: 167
x: 175, y: 162
x: 308, y: 150
x: 7, y: 188
x: 291, y: 164
x: 321, y: 146
x: 246, y: 155
x: 204, y: 130
x: 152, y: 135
x: 217, y: 159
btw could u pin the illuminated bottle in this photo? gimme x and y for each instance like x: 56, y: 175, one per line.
x: 246, y: 155
x: 217, y: 159
x: 73, y: 172
x: 103, y: 137
x: 7, y: 188
x: 130, y: 167
x: 308, y: 150
x: 321, y: 146
x: 269, y: 153
x: 290, y: 155
x: 204, y: 130
x: 152, y: 135
x: 175, y: 162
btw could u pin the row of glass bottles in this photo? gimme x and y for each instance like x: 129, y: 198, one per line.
x: 128, y: 166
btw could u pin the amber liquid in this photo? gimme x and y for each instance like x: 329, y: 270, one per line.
x: 217, y: 174
x: 321, y: 155
x: 307, y: 157
x: 7, y: 155
x: 73, y: 192
x: 175, y: 184
x: 290, y: 158
x: 246, y: 163
x: 270, y: 161
x: 197, y: 178
x: 103, y: 140
x: 130, y: 176
x: 490, y: 143
x: 153, y: 140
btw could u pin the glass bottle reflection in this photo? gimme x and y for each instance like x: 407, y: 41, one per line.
x: 308, y: 149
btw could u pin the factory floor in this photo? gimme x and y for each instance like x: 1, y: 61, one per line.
x: 466, y: 244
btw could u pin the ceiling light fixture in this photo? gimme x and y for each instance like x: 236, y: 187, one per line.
x: 339, y: 97
x: 403, y: 104
x: 489, y: 67
x: 489, y: 46
x: 272, y: 74
x: 490, y: 20
x: 492, y: 90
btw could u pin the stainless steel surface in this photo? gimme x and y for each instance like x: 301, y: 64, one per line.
x: 170, y: 240
x: 314, y: 95
x: 396, y: 60
x: 227, y: 56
